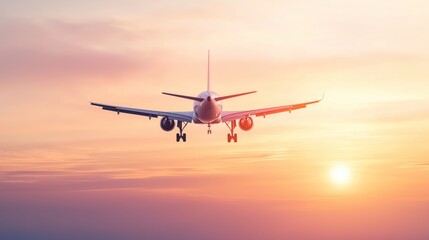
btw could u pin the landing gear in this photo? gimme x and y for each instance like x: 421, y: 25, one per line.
x: 181, y: 135
x: 232, y: 135
x: 209, y: 131
x: 178, y: 137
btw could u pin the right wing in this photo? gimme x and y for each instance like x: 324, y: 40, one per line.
x: 234, y: 115
x: 179, y: 116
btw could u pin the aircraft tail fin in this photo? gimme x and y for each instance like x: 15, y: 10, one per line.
x: 208, y: 71
x: 232, y: 96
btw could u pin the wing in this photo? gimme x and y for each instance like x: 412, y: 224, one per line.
x: 179, y: 116
x: 234, y: 115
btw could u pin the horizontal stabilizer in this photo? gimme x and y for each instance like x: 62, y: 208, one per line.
x: 183, y: 96
x: 231, y: 96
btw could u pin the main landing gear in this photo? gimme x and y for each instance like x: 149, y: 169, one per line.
x: 181, y: 135
x: 232, y: 135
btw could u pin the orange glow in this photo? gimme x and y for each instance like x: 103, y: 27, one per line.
x: 120, y: 172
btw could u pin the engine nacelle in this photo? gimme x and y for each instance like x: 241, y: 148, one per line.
x: 167, y: 124
x: 246, y: 123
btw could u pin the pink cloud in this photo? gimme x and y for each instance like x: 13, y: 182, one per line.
x: 46, y: 52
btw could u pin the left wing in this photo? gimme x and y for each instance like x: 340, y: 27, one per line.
x: 179, y: 116
x: 234, y: 115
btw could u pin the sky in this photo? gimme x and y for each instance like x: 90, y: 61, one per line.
x: 71, y: 171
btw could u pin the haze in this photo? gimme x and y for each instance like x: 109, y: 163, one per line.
x: 70, y: 171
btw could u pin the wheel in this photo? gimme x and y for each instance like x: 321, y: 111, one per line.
x: 177, y: 137
x: 184, y: 137
x: 229, y: 137
x: 235, y: 137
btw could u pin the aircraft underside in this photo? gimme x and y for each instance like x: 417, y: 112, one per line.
x: 245, y: 124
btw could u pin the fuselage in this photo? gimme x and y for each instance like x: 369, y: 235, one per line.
x: 209, y: 110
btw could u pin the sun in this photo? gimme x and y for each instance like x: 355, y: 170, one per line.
x: 340, y: 175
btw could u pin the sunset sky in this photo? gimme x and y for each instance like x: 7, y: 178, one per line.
x: 69, y: 170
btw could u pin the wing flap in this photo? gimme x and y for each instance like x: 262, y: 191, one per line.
x: 280, y: 110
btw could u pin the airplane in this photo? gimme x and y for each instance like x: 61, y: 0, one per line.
x: 207, y: 109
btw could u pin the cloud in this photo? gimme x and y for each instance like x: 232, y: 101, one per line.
x: 135, y: 215
x: 130, y: 214
x: 388, y: 111
x: 417, y: 164
x: 43, y: 180
x: 47, y: 52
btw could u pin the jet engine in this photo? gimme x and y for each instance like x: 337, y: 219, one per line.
x: 246, y: 123
x: 167, y: 124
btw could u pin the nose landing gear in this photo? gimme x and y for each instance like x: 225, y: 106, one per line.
x: 209, y: 131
